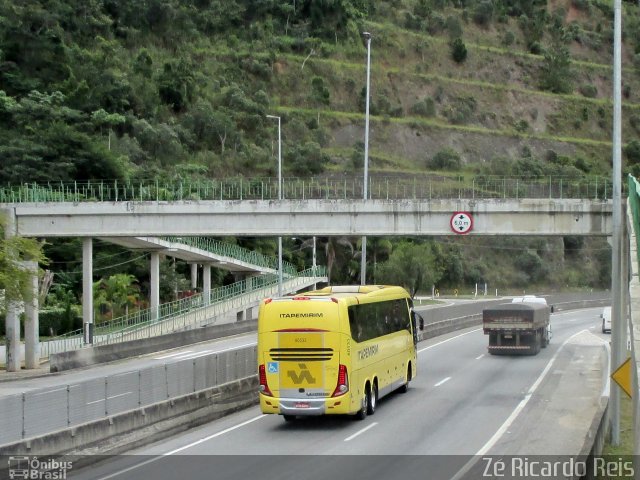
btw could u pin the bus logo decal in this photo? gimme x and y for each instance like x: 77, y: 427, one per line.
x: 272, y: 367
x: 368, y: 352
x: 304, y: 375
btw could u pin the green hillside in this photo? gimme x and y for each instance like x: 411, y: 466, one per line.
x: 170, y: 89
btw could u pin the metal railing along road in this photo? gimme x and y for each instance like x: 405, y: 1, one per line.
x: 185, y: 313
x: 343, y: 187
x: 45, y: 410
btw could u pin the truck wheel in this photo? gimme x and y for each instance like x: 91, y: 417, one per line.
x: 536, y: 343
x: 545, y: 338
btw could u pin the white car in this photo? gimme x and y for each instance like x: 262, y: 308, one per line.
x: 606, y: 319
x: 529, y: 299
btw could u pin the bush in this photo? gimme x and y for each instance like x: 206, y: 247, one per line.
x: 446, y: 159
x: 508, y: 39
x: 57, y: 321
x: 632, y: 151
x: 522, y: 126
x: 454, y: 27
x: 458, y: 50
x: 589, y: 91
x: 483, y: 13
x: 425, y: 107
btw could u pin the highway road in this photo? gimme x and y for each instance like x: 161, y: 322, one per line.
x: 463, y: 404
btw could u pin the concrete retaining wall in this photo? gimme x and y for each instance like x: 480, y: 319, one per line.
x: 108, y: 353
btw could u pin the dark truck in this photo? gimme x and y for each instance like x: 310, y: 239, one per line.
x: 517, y: 328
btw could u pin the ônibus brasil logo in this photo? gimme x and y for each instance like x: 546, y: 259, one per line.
x: 33, y: 468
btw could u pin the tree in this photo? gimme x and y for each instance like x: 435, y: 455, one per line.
x: 118, y: 292
x: 15, y: 279
x: 412, y: 265
x: 555, y: 73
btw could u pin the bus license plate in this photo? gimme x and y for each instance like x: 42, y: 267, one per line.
x: 301, y: 405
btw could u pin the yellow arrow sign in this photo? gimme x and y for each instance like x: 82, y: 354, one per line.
x: 622, y: 376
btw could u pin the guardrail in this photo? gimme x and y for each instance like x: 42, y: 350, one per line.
x: 184, y: 313
x: 415, y: 187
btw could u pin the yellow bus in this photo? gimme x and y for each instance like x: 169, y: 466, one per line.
x: 336, y: 350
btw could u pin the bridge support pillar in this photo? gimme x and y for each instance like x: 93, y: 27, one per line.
x: 87, y: 289
x: 206, y: 283
x: 154, y: 290
x: 31, y: 321
x: 194, y: 276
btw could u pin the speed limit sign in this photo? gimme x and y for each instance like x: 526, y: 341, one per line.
x: 461, y: 222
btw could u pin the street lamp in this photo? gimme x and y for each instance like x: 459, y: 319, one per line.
x: 363, y: 261
x: 279, y: 198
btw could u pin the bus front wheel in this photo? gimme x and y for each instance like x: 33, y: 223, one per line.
x: 405, y: 388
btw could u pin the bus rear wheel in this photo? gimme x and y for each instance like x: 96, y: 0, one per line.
x: 373, y: 399
x: 366, y: 401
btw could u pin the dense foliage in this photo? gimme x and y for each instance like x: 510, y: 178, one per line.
x: 174, y: 89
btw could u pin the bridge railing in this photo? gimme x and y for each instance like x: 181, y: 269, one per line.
x: 180, y: 313
x: 233, y: 251
x: 398, y: 187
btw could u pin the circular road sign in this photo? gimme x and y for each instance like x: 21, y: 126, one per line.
x: 461, y: 222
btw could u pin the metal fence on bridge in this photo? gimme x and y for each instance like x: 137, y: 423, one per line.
x: 397, y: 187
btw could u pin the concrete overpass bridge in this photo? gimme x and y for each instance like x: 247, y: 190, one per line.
x: 131, y: 213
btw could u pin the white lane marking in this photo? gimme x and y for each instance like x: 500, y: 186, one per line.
x: 348, y: 439
x: 236, y: 348
x: 172, y: 355
x: 479, y: 356
x: 507, y: 423
x: 109, y: 398
x: 444, y: 380
x: 187, y: 356
x: 448, y: 340
x: 222, y: 432
x: 151, y: 460
x: 188, y: 353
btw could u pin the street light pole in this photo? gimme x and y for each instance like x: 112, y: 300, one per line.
x: 279, y: 198
x: 619, y: 331
x: 363, y: 260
